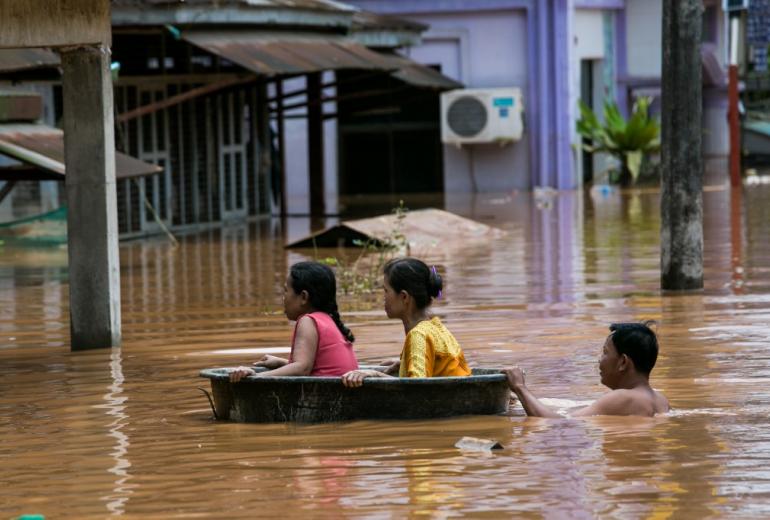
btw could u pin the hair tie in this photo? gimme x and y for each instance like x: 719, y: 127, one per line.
x: 433, y: 270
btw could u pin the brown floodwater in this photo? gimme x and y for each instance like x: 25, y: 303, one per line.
x: 125, y: 432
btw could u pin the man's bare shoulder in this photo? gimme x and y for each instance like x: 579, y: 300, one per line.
x: 661, y: 403
x: 641, y: 401
x: 636, y: 401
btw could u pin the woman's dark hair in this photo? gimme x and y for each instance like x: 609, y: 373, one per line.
x: 638, y: 342
x: 321, y: 286
x: 414, y: 277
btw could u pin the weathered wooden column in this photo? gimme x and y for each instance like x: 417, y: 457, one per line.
x: 281, y: 131
x: 92, y: 222
x: 263, y: 139
x: 681, y: 234
x: 315, y: 134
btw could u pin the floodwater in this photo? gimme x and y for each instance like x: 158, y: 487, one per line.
x: 125, y: 432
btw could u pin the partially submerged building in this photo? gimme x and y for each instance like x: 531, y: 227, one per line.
x: 252, y: 108
x: 557, y: 52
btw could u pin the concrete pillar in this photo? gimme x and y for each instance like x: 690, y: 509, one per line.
x: 553, y: 164
x: 92, y: 222
x: 681, y: 234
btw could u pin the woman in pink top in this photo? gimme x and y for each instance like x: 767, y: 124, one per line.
x: 322, y: 345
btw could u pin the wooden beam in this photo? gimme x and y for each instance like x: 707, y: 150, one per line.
x: 264, y: 139
x: 356, y: 95
x: 335, y: 83
x: 181, y: 98
x: 281, y: 145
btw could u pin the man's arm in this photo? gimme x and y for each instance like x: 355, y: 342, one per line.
x: 531, y: 404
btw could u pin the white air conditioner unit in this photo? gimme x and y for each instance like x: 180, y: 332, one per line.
x: 483, y: 115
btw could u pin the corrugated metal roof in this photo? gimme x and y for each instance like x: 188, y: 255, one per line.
x: 423, y: 76
x: 276, y: 54
x: 327, y: 14
x: 13, y: 60
x: 368, y: 21
x: 43, y: 147
x: 382, y: 31
x: 280, y: 53
x: 315, y: 5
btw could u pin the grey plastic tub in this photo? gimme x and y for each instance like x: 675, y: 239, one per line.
x: 324, y: 399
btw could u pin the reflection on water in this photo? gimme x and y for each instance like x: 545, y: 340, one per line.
x: 114, y: 408
x: 124, y: 432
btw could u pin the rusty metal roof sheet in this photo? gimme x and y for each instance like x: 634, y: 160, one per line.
x: 423, y: 229
x: 276, y: 53
x: 423, y: 76
x: 12, y: 60
x: 281, y: 53
x: 42, y: 146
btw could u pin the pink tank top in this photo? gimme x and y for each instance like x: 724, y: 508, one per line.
x: 334, y: 355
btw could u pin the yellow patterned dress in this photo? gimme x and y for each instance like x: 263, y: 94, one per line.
x: 430, y: 350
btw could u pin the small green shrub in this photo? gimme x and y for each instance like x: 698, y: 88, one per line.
x: 362, y: 275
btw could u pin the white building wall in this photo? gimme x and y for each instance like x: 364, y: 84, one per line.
x: 644, y: 26
x: 588, y: 44
x: 644, y: 20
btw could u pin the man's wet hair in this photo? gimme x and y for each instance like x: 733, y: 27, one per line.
x: 637, y: 341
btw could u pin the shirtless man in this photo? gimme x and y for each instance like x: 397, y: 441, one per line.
x: 628, y: 355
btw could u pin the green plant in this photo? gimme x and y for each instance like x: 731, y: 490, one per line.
x: 362, y: 274
x: 626, y: 140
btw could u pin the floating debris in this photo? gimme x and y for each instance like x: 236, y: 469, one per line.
x: 472, y: 443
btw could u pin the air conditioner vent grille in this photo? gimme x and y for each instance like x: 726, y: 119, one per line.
x: 467, y: 116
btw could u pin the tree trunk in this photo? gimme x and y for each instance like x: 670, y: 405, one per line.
x: 681, y: 156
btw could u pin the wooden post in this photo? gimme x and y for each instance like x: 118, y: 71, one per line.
x: 736, y: 239
x: 264, y: 139
x: 315, y: 139
x: 733, y: 101
x: 281, y: 144
x: 735, y: 128
x: 92, y: 220
x: 681, y: 153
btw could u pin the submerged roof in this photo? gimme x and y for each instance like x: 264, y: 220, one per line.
x: 42, y: 147
x: 422, y: 228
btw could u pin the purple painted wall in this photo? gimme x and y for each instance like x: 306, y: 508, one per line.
x: 522, y: 43
x: 488, y: 50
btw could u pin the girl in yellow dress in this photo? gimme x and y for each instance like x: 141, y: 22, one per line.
x: 430, y: 350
